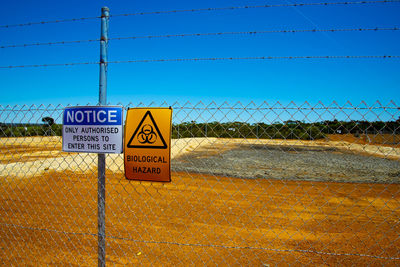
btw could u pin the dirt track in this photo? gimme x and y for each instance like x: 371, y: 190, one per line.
x: 198, y: 219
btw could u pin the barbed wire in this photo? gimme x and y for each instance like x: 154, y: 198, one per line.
x: 207, y: 34
x: 202, y: 59
x: 249, y: 58
x: 204, y: 9
x: 197, y: 244
x: 256, y: 32
x: 255, y: 6
x: 49, y: 43
x: 49, y: 65
x: 47, y: 22
x: 253, y: 248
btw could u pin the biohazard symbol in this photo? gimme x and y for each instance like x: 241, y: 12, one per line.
x: 147, y: 134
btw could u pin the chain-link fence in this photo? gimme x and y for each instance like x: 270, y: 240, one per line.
x: 252, y: 184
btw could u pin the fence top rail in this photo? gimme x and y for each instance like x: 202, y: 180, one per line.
x: 212, y: 105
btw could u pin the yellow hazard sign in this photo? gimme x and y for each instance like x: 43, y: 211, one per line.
x: 147, y: 141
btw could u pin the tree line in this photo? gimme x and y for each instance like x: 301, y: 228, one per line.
x: 279, y: 130
x: 21, y: 130
x: 282, y: 130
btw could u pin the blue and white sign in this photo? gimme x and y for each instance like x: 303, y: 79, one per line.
x: 93, y: 129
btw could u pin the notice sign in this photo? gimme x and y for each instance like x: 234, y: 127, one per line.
x: 92, y: 129
x: 147, y: 149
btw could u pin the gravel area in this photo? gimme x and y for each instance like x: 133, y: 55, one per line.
x: 319, y: 160
x: 288, y: 163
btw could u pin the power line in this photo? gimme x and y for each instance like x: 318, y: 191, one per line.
x: 255, y: 6
x: 205, y: 9
x: 208, y: 34
x: 203, y: 59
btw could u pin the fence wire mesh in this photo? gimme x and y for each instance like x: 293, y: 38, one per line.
x: 252, y: 184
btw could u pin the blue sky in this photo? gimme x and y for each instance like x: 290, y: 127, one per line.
x: 300, y: 80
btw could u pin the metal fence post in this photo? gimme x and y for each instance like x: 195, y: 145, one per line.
x: 101, y: 187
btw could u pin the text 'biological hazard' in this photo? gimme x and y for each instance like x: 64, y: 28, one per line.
x: 147, y: 151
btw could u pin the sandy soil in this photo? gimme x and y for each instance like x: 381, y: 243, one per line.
x: 48, y: 213
x: 25, y: 157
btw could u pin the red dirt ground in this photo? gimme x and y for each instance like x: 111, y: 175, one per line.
x: 198, y: 220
